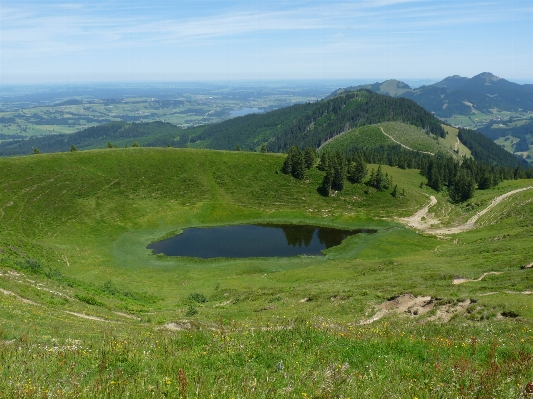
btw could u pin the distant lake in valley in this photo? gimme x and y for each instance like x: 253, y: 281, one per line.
x: 251, y: 241
x: 244, y: 111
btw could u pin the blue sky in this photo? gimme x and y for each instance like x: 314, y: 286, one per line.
x: 205, y: 40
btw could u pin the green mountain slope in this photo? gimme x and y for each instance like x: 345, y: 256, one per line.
x: 156, y: 134
x: 312, y: 124
x: 388, y: 134
x: 391, y: 87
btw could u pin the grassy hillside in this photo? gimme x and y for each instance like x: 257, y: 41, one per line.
x: 88, y: 312
x: 393, y: 133
x: 452, y: 142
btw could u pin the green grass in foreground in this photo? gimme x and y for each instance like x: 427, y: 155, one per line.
x: 74, y: 231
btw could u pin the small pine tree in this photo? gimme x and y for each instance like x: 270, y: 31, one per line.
x: 263, y: 149
x: 73, y: 148
x: 309, y: 157
x: 395, y: 191
x: 109, y: 145
x: 238, y: 148
x: 298, y: 165
x: 327, y: 182
x: 135, y: 144
x: 485, y: 182
x: 357, y: 170
x: 339, y: 165
x: 324, y: 160
x: 287, y: 164
x: 36, y: 151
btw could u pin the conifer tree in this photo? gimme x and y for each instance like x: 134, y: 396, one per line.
x: 327, y: 182
x: 339, y: 165
x: 378, y: 180
x: 395, y: 191
x: 358, y: 170
x: 463, y: 186
x: 287, y: 164
x: 298, y: 164
x: 309, y: 157
x: 324, y: 160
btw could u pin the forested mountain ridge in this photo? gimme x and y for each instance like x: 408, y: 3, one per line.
x: 312, y: 124
x: 150, y: 134
x: 391, y: 87
x: 458, y: 95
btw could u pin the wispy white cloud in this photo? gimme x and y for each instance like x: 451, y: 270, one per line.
x: 90, y: 29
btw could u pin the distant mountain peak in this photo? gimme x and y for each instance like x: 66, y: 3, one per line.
x: 487, y: 76
x: 451, y: 82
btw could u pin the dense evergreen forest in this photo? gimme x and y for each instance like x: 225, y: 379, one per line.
x: 311, y: 124
x: 459, y: 179
x: 485, y: 150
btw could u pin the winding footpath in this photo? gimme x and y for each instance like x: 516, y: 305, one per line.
x: 420, y: 220
x: 403, y: 145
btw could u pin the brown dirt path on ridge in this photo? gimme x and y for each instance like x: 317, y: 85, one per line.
x: 403, y: 145
x: 421, y: 221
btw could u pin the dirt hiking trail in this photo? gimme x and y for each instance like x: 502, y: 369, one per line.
x: 421, y: 221
x: 461, y: 280
x: 403, y: 145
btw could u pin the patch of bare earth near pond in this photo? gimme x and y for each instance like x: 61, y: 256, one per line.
x: 406, y: 303
x: 188, y: 325
x: 460, y: 280
x: 409, y: 305
x: 85, y: 316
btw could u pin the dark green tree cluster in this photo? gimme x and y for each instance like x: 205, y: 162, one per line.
x: 461, y: 178
x: 336, y: 168
x: 442, y: 170
x: 463, y: 186
x: 379, y: 180
x: 294, y: 164
x: 357, y: 169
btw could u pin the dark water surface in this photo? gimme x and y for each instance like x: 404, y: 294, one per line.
x: 250, y: 241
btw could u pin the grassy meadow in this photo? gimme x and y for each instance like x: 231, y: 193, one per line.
x: 87, y: 311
